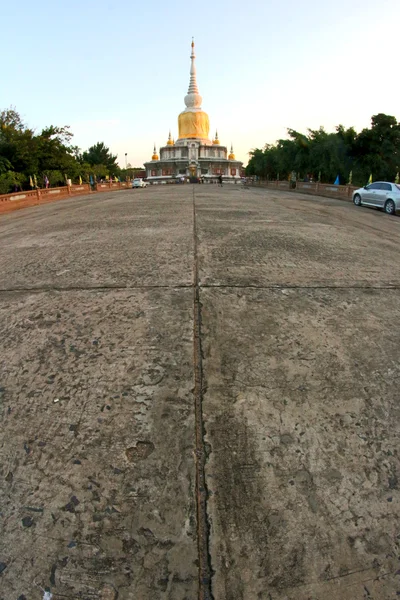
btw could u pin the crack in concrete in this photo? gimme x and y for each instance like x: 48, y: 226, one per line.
x: 344, y: 575
x: 89, y: 288
x: 178, y: 286
x: 282, y: 286
x: 203, y: 528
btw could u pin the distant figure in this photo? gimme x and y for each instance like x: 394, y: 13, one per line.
x: 220, y: 180
x: 46, y: 182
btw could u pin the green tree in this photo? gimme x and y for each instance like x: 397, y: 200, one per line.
x: 256, y: 164
x: 5, y: 165
x: 9, y: 179
x: 47, y: 153
x: 55, y: 153
x: 17, y: 144
x: 377, y: 150
x: 99, y: 154
x: 374, y: 150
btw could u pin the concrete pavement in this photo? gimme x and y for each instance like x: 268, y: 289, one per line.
x: 298, y: 321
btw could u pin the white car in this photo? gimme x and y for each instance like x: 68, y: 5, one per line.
x: 139, y: 183
x: 380, y: 194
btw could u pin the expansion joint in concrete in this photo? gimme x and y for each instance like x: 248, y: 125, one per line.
x: 203, y: 529
x: 93, y: 288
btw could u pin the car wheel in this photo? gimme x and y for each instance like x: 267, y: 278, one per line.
x: 357, y: 200
x: 390, y: 208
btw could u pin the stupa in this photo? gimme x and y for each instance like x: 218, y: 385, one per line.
x: 193, y: 155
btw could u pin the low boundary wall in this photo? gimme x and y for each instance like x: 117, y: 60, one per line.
x: 329, y: 190
x: 17, y: 200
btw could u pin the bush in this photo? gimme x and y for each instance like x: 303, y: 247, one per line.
x: 56, y: 178
x: 9, y: 179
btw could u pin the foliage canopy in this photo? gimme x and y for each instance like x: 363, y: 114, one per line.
x: 325, y: 155
x: 25, y: 153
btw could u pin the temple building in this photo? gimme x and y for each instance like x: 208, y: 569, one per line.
x: 193, y: 155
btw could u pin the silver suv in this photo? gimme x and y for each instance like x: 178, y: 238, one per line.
x: 379, y: 194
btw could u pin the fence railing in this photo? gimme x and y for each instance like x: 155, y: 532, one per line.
x: 318, y: 189
x: 38, y: 196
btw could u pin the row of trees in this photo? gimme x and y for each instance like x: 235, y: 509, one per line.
x: 324, y: 155
x: 50, y: 153
x: 25, y: 154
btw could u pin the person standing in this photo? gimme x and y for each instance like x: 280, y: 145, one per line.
x: 220, y: 180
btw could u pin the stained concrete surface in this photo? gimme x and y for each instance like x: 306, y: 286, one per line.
x: 97, y: 450
x: 116, y: 240
x: 98, y: 497
x: 302, y: 417
x: 295, y: 240
x: 300, y: 337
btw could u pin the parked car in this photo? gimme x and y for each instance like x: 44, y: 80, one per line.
x: 139, y: 183
x: 380, y: 194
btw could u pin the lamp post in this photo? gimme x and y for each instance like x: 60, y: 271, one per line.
x: 126, y: 160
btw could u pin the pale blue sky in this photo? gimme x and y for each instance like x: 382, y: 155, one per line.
x: 118, y: 71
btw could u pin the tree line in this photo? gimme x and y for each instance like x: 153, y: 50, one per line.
x: 27, y: 158
x: 323, y: 156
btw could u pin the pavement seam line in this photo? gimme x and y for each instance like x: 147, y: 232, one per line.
x: 273, y: 286
x: 96, y: 288
x: 203, y: 528
x: 280, y: 286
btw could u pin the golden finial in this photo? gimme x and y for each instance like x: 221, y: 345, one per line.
x: 155, y: 155
x: 216, y: 140
x: 232, y: 154
x: 170, y: 142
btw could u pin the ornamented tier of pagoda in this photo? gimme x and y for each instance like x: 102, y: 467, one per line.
x: 193, y: 155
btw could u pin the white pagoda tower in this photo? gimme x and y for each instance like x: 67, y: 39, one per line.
x: 193, y: 155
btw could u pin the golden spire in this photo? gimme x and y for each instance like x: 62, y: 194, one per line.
x: 216, y: 140
x: 232, y: 154
x: 193, y: 122
x: 155, y: 155
x: 170, y: 142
